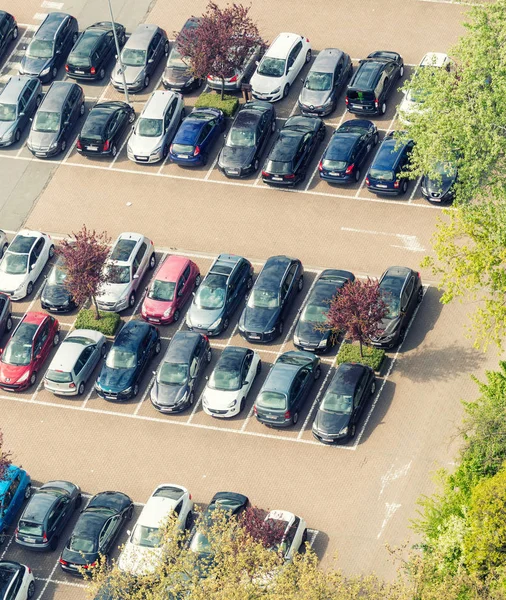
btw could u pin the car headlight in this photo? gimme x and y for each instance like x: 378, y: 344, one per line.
x: 24, y: 377
x: 182, y: 399
x: 45, y: 71
x: 344, y: 431
x: 190, y: 81
x: 139, y: 77
x: 322, y: 344
x: 7, y: 137
x: 19, y: 288
x: 53, y: 145
x: 216, y: 324
x: 167, y: 312
x: 156, y: 151
x: 296, y: 340
x: 270, y: 331
x: 127, y: 391
x: 232, y: 404
x: 204, y: 401
x: 276, y: 91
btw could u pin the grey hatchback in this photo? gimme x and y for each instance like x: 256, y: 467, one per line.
x: 5, y: 313
x: 18, y: 102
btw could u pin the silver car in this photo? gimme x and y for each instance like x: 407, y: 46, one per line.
x: 131, y: 256
x: 239, y: 75
x: 156, y: 127
x: 18, y: 102
x: 74, y: 362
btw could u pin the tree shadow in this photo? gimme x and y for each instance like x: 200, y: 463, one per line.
x: 428, y: 314
x: 376, y: 412
x: 320, y: 543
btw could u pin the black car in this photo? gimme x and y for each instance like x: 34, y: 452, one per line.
x: 387, y: 173
x: 286, y: 388
x: 180, y: 371
x: 279, y: 281
x: 309, y: 332
x: 247, y: 139
x: 289, y: 158
x: 8, y: 30
x: 347, y: 151
x: 46, y: 514
x: 54, y: 296
x: 103, y: 129
x: 50, y: 46
x: 344, y: 401
x: 94, y: 50
x: 177, y: 75
x: 401, y: 289
x: 440, y: 188
x: 127, y: 360
x: 96, y: 530
x: 373, y: 82
x: 331, y: 69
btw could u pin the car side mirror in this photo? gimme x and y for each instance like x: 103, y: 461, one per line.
x: 246, y: 383
x: 116, y: 56
x: 58, y: 51
x: 129, y: 532
x: 207, y: 378
x: 193, y: 293
x: 22, y: 114
x: 150, y: 61
x: 302, y: 79
x: 66, y: 123
x: 136, y: 276
x: 154, y: 372
x: 38, y: 357
x: 257, y: 62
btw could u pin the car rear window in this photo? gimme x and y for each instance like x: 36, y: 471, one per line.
x: 277, y: 166
x: 273, y: 400
x: 30, y: 528
x: 58, y: 376
x: 382, y: 175
x: 182, y: 149
x: 167, y: 491
x: 336, y: 165
x: 359, y: 96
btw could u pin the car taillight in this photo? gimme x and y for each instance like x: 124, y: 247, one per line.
x: 106, y: 145
x: 16, y: 531
x: 376, y: 102
x: 63, y: 562
x: 171, y: 149
x: 419, y: 275
x: 346, y: 100
x: 367, y: 182
x: 190, y: 497
x: 265, y: 174
x: 94, y: 564
x: 350, y: 169
x: 67, y: 68
x: 396, y: 184
x: 289, y: 176
x: 233, y: 79
x: 206, y: 338
x: 210, y: 77
x: 44, y: 537
x: 93, y: 70
x: 28, y: 569
x: 255, y: 409
x: 79, y: 145
x: 196, y: 152
x: 288, y: 414
x: 320, y: 166
x: 307, y: 40
x: 72, y: 385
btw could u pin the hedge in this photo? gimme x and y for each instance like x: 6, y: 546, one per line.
x: 351, y: 353
x: 107, y: 324
x: 228, y: 105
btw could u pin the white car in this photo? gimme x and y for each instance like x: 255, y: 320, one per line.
x: 279, y: 67
x: 231, y: 380
x: 23, y: 262
x: 412, y: 103
x: 142, y: 550
x: 17, y: 582
x: 295, y: 532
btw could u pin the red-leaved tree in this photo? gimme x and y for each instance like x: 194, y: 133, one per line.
x: 84, y: 256
x: 220, y: 43
x: 5, y: 458
x: 357, y: 310
x: 269, y: 533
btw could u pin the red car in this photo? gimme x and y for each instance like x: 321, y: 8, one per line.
x: 27, y: 349
x: 170, y: 289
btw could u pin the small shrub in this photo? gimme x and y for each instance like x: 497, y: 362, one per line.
x: 228, y: 105
x: 107, y: 324
x: 373, y: 357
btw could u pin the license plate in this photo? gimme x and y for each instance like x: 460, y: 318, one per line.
x: 254, y: 336
x: 79, y: 72
x: 312, y: 114
x: 154, y: 320
x: 233, y: 171
x: 381, y: 185
x: 111, y: 397
x: 30, y: 541
x: 182, y: 156
x: 142, y: 158
x: 275, y: 178
x: 335, y: 174
x: 358, y: 106
x: 435, y: 199
x: 40, y: 154
x: 91, y: 147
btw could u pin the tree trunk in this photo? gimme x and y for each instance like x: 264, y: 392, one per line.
x: 360, y: 345
x: 97, y: 312
x: 222, y: 88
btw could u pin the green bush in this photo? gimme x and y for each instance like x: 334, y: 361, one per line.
x: 228, y: 105
x: 351, y: 353
x: 107, y: 324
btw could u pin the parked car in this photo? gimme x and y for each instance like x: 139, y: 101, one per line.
x: 94, y: 50
x: 74, y: 362
x: 8, y: 30
x: 294, y: 532
x: 269, y: 302
x: 27, y: 349
x: 17, y: 581
x: 247, y: 139
x: 54, y: 296
x: 23, y: 262
x: 280, y: 66
x: 329, y: 73
x: 131, y: 256
x: 239, y: 75
x: 230, y: 382
x: 142, y: 552
x: 348, y: 150
x: 103, y: 129
x: 127, y: 360
x: 155, y: 128
x: 196, y: 135
x: 374, y: 81
x: 310, y: 333
x: 220, y: 294
x: 387, y: 173
x: 96, y: 531
x: 402, y: 290
x: 18, y: 102
x: 4, y: 243
x: 140, y: 57
x: 5, y: 313
x: 180, y: 371
x: 293, y: 150
x: 343, y: 403
x: 47, y: 513
x: 177, y: 75
x: 59, y: 111
x: 49, y: 47
x: 15, y: 488
x: 440, y: 187
x: 286, y: 388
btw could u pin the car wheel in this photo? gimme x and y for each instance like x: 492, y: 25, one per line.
x: 54, y: 543
x: 242, y: 405
x: 419, y: 296
x: 353, y: 431
x: 129, y: 513
x: 281, y: 326
x: 225, y: 324
x: 204, y: 160
x: 56, y: 339
x: 317, y: 373
x: 302, y: 547
x: 80, y: 389
x: 15, y: 33
x: 131, y: 300
x: 249, y: 283
x: 404, y: 187
x: 63, y: 146
x: 114, y: 151
x: 103, y: 351
x: 373, y: 387
x: 209, y: 355
x: 376, y: 139
x: 165, y: 151
x: 5, y: 246
x: 401, y: 71
x: 166, y: 49
x: 28, y: 491
x: 101, y: 73
x: 286, y: 90
x: 198, y: 281
x: 158, y: 347
x: 8, y: 323
x: 152, y: 261
x: 259, y: 367
x: 175, y: 317
x: 273, y: 126
x: 357, y: 175
x: 402, y: 335
x: 295, y: 418
x: 74, y: 38
x: 31, y: 590
x: 135, y: 390
x: 51, y: 251
x: 131, y: 117
x: 383, y: 108
x: 308, y: 56
x: 191, y: 399
x: 17, y: 135
x: 29, y: 288
x: 189, y: 521
x: 300, y: 284
x: 146, y: 81
x: 122, y: 39
x: 256, y: 164
x: 78, y: 502
x: 82, y: 108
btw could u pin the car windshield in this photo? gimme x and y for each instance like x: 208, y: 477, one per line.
x: 263, y: 299
x: 57, y: 276
x: 162, y: 290
x: 445, y: 169
x: 14, y: 264
x: 176, y: 60
x: 46, y: 122
x: 200, y: 544
x: 82, y: 544
x: 225, y: 378
x: 118, y: 274
x: 241, y: 138
x: 315, y: 313
x: 318, y: 82
x: 40, y: 49
x: 381, y: 174
x: 149, y: 537
x: 150, y: 127
x: 173, y: 373
x: 212, y: 294
x: 272, y: 400
x: 119, y: 358
x: 7, y: 112
x: 30, y: 528
x: 58, y: 376
x: 272, y: 67
x: 391, y: 288
x: 335, y: 402
x: 131, y: 57
x: 19, y: 348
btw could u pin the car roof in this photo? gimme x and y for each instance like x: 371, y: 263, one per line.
x: 355, y: 126
x: 34, y: 317
x: 171, y: 268
x: 132, y: 333
x: 273, y: 270
x: 157, y: 104
x: 38, y: 507
x: 225, y: 264
x: 282, y: 45
x: 341, y: 144
x: 161, y: 503
x: 299, y: 123
x: 141, y: 36
x: 104, y: 110
x: 181, y: 346
x: 326, y: 60
x: 125, y: 243
x: 247, y: 118
x: 22, y: 246
x: 228, y: 497
x: 434, y: 59
x: 9, y: 475
x: 346, y: 378
x: 66, y: 356
x: 50, y: 25
x: 56, y: 95
x: 286, y: 145
x: 232, y: 357
x: 388, y: 153
x: 14, y: 88
x: 281, y: 515
x: 280, y: 377
x: 367, y: 73
x: 401, y: 273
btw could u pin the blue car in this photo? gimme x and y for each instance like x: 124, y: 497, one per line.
x: 387, y: 174
x: 196, y: 135
x: 15, y: 487
x: 127, y: 360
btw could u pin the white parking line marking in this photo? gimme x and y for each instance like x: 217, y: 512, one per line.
x: 71, y: 147
x: 61, y: 582
x: 49, y: 4
x: 48, y: 580
x: 120, y: 150
x: 146, y: 392
x: 414, y: 190
x: 211, y: 169
x: 409, y: 242
x: 39, y: 16
x: 11, y: 539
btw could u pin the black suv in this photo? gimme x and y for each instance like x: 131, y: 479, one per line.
x: 94, y: 49
x: 50, y: 46
x: 272, y: 295
x: 387, y: 173
x: 8, y: 30
x: 373, y: 82
x: 177, y: 76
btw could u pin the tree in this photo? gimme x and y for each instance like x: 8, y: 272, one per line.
x: 268, y: 533
x: 220, y: 43
x: 84, y: 257
x: 357, y: 310
x: 5, y: 458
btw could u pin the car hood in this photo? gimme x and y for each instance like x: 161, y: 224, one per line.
x: 10, y: 283
x: 174, y: 76
x: 388, y: 326
x: 259, y: 319
x: 11, y: 373
x: 6, y: 127
x: 54, y: 294
x: 202, y: 318
x: 144, y: 145
x: 115, y: 380
x: 306, y: 332
x: 434, y: 186
x: 139, y: 560
x: 111, y: 292
x: 236, y: 157
x: 265, y: 85
x: 155, y: 308
x: 42, y: 140
x: 331, y: 423
x: 131, y: 74
x: 34, y: 66
x: 313, y: 98
x: 167, y: 395
x: 78, y: 558
x: 219, y: 399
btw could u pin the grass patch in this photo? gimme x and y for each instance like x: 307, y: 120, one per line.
x: 373, y: 357
x: 107, y: 324
x: 228, y: 105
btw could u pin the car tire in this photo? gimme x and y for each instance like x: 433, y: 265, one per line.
x: 419, y: 296
x: 376, y: 139
x: 129, y: 513
x: 401, y: 71
x: 8, y: 323
x: 51, y: 251
x: 353, y: 431
x: 300, y: 283
x: 152, y: 261
x: 273, y: 126
x: 373, y: 387
x: 175, y: 317
x: 158, y: 347
x: 131, y: 300
x: 78, y: 502
x: 5, y: 246
x: 256, y: 164
x: 53, y: 544
x: 281, y: 326
x: 198, y: 281
x: 82, y: 109
x: 295, y: 418
x: 54, y: 73
x: 114, y: 151
x: 259, y: 367
x: 31, y: 590
x: 357, y: 175
x: 15, y: 33
x: 402, y: 335
x: 317, y: 373
x: 188, y: 524
x: 242, y: 405
x: 146, y: 81
x: 135, y: 391
x: 225, y: 324
x: 249, y: 283
x: 191, y: 399
x: 308, y: 56
x: 29, y: 288
x: 204, y: 160
x: 103, y: 351
x: 74, y: 38
x: 131, y: 117
x: 383, y: 109
x: 28, y: 491
x: 17, y: 136
x: 209, y: 355
x: 302, y: 547
x: 80, y: 389
x: 63, y: 145
x: 404, y: 187
x: 166, y: 49
x: 101, y: 74
x: 56, y: 339
x: 286, y: 90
